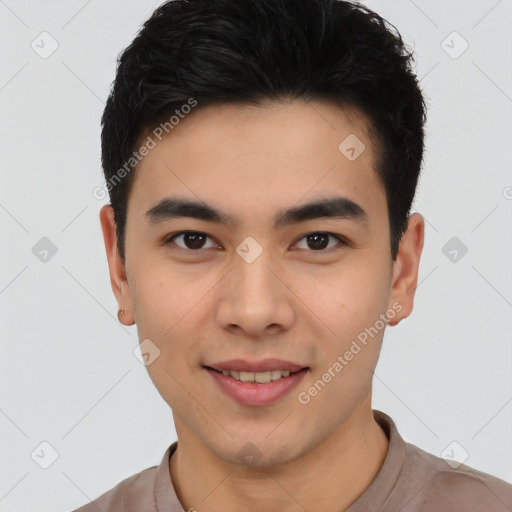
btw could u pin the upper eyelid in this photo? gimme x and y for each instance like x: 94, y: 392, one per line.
x: 179, y: 233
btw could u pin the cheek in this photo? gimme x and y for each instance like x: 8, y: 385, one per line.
x: 351, y: 307
x: 348, y: 299
x: 168, y: 309
x: 164, y: 296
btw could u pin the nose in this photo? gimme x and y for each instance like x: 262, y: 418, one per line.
x: 255, y: 299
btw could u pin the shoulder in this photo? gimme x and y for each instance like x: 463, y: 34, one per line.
x: 438, y: 484
x: 132, y: 494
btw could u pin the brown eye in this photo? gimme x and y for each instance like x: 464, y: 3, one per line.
x: 319, y: 241
x: 192, y: 240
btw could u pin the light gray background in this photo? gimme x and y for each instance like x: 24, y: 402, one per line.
x: 68, y: 373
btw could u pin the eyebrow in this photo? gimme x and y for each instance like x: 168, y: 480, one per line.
x: 334, y: 207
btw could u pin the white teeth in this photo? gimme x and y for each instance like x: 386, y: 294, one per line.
x: 247, y: 376
x: 263, y: 377
x: 260, y: 377
x: 276, y: 374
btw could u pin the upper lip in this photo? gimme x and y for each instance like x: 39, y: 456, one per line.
x: 264, y: 365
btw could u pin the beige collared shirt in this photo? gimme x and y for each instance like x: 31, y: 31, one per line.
x: 410, y: 480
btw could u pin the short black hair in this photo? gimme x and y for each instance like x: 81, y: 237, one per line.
x: 251, y: 51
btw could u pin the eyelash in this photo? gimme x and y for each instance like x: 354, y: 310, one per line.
x: 341, y: 240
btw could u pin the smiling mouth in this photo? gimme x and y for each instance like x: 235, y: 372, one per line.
x: 257, y: 377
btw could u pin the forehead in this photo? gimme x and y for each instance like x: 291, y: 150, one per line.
x: 254, y: 159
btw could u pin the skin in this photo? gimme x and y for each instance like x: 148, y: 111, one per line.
x: 300, y: 305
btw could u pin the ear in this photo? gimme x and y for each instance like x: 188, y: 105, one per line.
x: 116, y: 266
x: 405, y: 267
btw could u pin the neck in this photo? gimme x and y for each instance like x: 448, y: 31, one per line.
x: 330, y: 477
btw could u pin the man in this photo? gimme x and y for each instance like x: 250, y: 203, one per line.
x: 261, y: 159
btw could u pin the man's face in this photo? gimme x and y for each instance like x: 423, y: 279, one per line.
x: 252, y: 291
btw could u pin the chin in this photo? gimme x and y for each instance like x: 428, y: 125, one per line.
x: 260, y: 452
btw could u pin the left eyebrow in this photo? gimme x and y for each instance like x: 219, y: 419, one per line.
x: 335, y: 207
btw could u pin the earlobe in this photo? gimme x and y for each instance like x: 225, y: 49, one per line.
x: 405, y: 268
x: 116, y: 266
x: 122, y: 320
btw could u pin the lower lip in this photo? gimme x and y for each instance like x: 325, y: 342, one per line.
x: 251, y: 393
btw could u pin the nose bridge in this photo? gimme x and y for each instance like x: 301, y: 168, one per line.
x: 254, y: 279
x: 254, y: 297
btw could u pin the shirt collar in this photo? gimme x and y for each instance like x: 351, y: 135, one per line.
x: 371, y: 499
x: 376, y: 494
